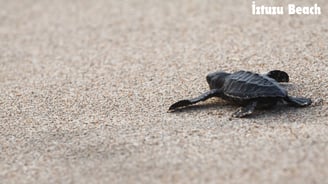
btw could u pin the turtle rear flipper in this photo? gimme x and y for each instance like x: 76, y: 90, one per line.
x: 298, y: 101
x: 202, y: 97
x: 245, y: 111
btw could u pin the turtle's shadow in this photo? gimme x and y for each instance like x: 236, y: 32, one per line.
x: 277, y: 110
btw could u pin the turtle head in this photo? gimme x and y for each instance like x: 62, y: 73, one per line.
x: 278, y: 75
x: 216, y: 80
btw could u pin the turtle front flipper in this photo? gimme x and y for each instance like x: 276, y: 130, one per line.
x: 202, y: 97
x: 245, y: 111
x: 298, y: 101
x: 278, y: 75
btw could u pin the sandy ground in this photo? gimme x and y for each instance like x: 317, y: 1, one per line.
x: 85, y: 86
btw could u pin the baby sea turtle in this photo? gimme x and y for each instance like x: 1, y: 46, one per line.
x: 248, y: 89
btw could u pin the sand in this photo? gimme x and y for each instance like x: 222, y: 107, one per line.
x: 85, y: 87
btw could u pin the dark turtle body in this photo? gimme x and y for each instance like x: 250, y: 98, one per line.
x: 248, y: 89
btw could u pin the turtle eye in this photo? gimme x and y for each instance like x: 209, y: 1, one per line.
x: 209, y: 78
x: 284, y: 77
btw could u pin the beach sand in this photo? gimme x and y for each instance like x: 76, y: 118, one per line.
x: 85, y: 87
